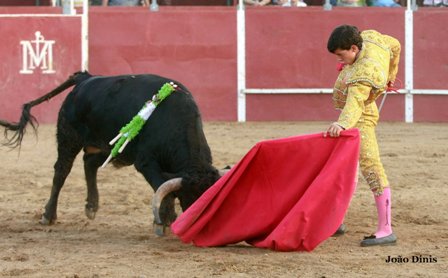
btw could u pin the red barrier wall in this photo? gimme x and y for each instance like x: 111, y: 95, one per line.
x: 430, y: 64
x: 196, y: 46
x: 280, y: 55
x: 430, y: 108
x: 17, y: 88
x: 286, y: 48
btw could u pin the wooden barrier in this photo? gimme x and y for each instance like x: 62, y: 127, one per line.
x: 285, y: 48
x: 35, y: 60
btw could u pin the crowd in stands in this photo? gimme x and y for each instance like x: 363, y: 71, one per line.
x: 118, y: 2
x: 363, y: 3
x: 347, y: 3
x: 287, y: 3
x: 284, y: 3
x: 435, y: 3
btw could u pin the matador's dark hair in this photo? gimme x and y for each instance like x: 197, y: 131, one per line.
x: 343, y: 37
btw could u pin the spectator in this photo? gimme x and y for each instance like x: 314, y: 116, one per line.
x: 351, y: 3
x: 384, y: 3
x: 435, y: 3
x: 257, y: 2
x: 290, y: 3
x: 121, y: 2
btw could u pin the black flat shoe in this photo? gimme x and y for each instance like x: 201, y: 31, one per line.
x: 373, y: 241
x: 340, y: 231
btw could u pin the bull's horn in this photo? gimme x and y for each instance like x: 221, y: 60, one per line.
x: 222, y: 172
x: 165, y: 189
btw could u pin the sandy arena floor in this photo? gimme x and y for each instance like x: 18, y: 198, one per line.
x: 120, y: 241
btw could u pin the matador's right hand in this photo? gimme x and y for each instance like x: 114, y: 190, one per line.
x: 334, y: 130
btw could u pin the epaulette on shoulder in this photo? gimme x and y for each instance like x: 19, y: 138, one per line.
x: 369, y: 71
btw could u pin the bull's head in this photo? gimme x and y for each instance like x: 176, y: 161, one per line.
x: 187, y: 189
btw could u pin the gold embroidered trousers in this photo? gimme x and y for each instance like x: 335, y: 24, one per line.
x: 359, y: 112
x: 369, y: 158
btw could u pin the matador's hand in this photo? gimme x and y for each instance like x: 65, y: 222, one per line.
x: 334, y: 130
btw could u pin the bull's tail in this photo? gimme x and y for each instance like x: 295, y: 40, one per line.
x: 18, y: 129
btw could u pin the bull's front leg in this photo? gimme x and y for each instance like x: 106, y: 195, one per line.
x: 152, y: 172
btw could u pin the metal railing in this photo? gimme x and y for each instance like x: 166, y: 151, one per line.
x: 409, y: 91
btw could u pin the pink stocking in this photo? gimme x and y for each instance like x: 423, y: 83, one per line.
x: 383, y: 206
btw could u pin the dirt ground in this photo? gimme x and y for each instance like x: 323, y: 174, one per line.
x: 120, y: 242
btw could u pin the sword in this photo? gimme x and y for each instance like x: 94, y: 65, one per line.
x: 390, y: 88
x: 382, y: 102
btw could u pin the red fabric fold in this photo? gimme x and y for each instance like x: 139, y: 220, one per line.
x: 286, y: 194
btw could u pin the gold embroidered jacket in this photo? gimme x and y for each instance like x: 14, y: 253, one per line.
x: 367, y: 77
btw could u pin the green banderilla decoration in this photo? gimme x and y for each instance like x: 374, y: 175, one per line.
x: 132, y: 129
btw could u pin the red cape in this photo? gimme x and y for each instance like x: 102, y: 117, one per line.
x: 287, y: 194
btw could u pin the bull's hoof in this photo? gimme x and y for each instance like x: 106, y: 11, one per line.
x: 90, y: 213
x: 45, y: 221
x: 159, y: 229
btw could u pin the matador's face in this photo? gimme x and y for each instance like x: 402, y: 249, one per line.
x: 347, y: 57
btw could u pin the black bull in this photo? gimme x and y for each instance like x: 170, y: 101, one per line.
x: 170, y: 151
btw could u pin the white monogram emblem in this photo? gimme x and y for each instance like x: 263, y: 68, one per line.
x: 37, y: 53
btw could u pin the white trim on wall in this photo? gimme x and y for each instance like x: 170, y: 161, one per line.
x: 241, y: 61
